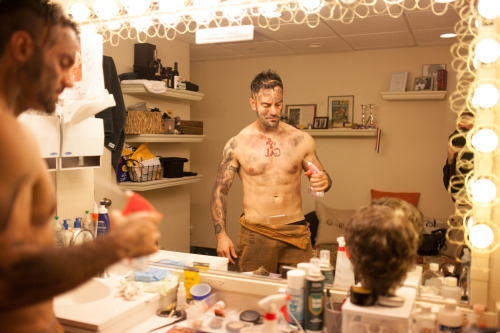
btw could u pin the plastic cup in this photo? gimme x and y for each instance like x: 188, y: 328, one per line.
x: 333, y: 318
x: 200, y: 291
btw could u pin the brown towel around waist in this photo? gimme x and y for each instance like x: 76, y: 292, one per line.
x: 296, y: 235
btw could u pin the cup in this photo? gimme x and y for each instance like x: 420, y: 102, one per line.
x: 169, y: 126
x: 333, y: 318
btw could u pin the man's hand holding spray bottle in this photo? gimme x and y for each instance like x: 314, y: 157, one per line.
x: 313, y: 170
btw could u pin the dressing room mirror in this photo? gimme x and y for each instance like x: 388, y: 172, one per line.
x: 366, y: 36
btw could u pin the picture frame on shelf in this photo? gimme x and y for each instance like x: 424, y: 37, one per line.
x: 300, y: 114
x: 340, y: 110
x: 398, y: 81
x: 320, y: 123
x: 423, y: 83
x: 432, y: 70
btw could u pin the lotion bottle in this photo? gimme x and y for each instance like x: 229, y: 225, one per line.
x: 344, y: 274
x: 103, y: 220
x: 449, y: 317
x: 449, y: 289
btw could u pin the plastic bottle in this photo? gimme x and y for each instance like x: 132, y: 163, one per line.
x: 432, y: 280
x: 296, y: 279
x: 479, y: 315
x: 68, y: 232
x: 271, y: 305
x: 77, y: 224
x: 314, y: 169
x: 449, y: 317
x: 315, y: 299
x: 87, y: 222
x: 181, y: 297
x: 344, y: 275
x: 58, y: 232
x: 326, y: 266
x: 425, y: 320
x: 449, y: 289
x: 103, y: 220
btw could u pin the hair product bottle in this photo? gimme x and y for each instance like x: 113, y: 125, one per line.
x: 326, y: 266
x: 449, y: 317
x: 103, y: 220
x: 296, y: 279
x: 314, y: 299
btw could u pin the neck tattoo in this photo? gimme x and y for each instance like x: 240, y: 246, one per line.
x: 272, y: 150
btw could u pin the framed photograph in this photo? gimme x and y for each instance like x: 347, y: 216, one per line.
x: 398, y: 81
x: 301, y: 114
x: 320, y: 122
x: 423, y: 83
x: 341, y: 109
x: 432, y: 70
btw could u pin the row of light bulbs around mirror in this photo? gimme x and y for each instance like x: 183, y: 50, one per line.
x: 116, y: 15
x: 481, y: 227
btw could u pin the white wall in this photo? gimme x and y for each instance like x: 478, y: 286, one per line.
x: 414, y: 133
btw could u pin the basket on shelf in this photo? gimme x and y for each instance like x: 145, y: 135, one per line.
x: 189, y: 127
x: 140, y: 173
x: 144, y: 122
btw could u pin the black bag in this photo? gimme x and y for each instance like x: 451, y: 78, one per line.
x: 432, y: 243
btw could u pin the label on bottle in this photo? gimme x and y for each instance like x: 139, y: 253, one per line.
x: 101, y: 227
x: 295, y: 306
x: 314, y: 306
x: 449, y: 329
x: 328, y: 274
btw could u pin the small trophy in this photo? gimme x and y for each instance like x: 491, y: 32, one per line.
x: 370, y: 119
x: 363, y: 116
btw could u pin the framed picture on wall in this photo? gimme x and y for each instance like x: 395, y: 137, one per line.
x: 423, y: 83
x: 341, y: 109
x: 320, y: 122
x: 398, y: 81
x: 301, y: 114
x: 432, y: 70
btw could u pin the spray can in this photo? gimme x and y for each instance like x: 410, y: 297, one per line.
x: 314, y: 299
x: 296, y: 279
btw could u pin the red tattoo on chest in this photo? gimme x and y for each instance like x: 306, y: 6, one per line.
x: 272, y: 151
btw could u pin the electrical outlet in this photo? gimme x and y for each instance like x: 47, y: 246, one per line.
x: 216, y: 283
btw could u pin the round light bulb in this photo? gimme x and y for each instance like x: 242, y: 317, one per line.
x: 489, y: 9
x: 235, y: 13
x: 106, y: 9
x: 270, y: 10
x: 142, y: 23
x: 170, y: 5
x: 79, y: 11
x: 348, y: 2
x: 470, y: 223
x: 136, y: 7
x: 485, y: 140
x: 311, y: 6
x: 487, y: 50
x: 204, y: 16
x: 483, y: 190
x: 481, y: 236
x: 114, y: 25
x: 486, y: 96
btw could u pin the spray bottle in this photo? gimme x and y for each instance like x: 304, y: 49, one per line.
x: 137, y: 203
x: 314, y: 169
x: 344, y: 275
x: 271, y: 305
x: 314, y: 299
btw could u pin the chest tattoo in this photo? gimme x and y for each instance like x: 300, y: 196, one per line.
x: 272, y: 150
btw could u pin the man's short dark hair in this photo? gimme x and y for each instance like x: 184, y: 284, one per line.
x: 265, y: 80
x: 36, y: 17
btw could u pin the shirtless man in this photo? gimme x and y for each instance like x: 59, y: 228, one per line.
x: 269, y: 157
x: 37, y: 51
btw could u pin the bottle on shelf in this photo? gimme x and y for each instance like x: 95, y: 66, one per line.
x: 67, y: 232
x: 432, y: 280
x: 175, y: 76
x: 155, y: 64
x: 425, y: 320
x: 450, y: 289
x: 87, y: 222
x: 170, y: 77
x: 58, y: 232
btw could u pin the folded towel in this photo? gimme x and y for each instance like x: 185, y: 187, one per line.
x: 156, y: 87
x: 151, y: 275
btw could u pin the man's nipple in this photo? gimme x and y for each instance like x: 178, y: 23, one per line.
x: 250, y: 169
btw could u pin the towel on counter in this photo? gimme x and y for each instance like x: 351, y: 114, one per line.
x: 155, y: 87
x: 151, y: 275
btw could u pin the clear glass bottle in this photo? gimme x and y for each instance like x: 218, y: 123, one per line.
x: 432, y: 279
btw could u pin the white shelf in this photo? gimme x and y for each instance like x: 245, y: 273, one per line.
x: 413, y: 95
x: 342, y: 132
x: 163, y: 138
x: 138, y: 89
x: 162, y: 183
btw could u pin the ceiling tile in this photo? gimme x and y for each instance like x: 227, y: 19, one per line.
x: 291, y: 31
x: 420, y: 20
x: 211, y: 52
x: 330, y: 44
x: 369, y: 25
x: 259, y: 49
x: 431, y: 37
x: 378, y: 41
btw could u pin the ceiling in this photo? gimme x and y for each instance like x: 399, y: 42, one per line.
x: 412, y: 29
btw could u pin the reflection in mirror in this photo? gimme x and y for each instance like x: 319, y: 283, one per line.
x: 459, y: 100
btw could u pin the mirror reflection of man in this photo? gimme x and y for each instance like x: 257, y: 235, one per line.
x: 269, y: 156
x: 37, y: 51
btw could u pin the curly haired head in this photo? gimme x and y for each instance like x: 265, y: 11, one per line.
x: 383, y: 247
x: 412, y: 213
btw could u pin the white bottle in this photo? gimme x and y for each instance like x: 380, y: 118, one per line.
x: 425, y: 320
x: 296, y: 279
x: 449, y: 289
x: 326, y: 266
x: 181, y: 297
x: 68, y: 232
x: 449, y: 317
x: 87, y: 222
x: 432, y: 280
x: 344, y: 275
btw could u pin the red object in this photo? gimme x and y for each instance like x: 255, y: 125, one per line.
x: 137, y: 203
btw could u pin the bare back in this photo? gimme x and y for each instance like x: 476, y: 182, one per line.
x: 270, y: 167
x: 27, y: 203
